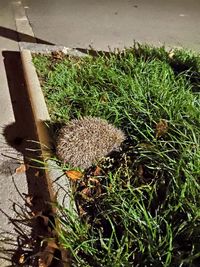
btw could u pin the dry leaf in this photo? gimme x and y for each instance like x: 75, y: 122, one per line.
x: 45, y: 219
x: 140, y: 171
x: 47, y: 254
x: 104, y: 98
x: 41, y: 263
x: 57, y: 54
x: 94, y: 181
x: 171, y: 54
x: 66, y: 259
x: 29, y: 200
x: 97, y: 171
x: 37, y: 174
x: 74, y: 175
x: 161, y: 128
x: 81, y: 211
x: 21, y: 259
x: 95, y: 186
x: 52, y: 244
x: 22, y: 168
x: 36, y: 213
x: 86, y: 193
x: 145, y: 145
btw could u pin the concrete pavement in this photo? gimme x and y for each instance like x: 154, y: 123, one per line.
x: 15, y: 131
x: 9, y: 157
x: 23, y: 192
x: 116, y: 23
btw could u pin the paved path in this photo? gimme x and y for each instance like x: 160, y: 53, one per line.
x: 9, y: 157
x: 15, y: 129
x: 115, y: 23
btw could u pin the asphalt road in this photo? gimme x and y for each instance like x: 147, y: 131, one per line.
x: 116, y: 23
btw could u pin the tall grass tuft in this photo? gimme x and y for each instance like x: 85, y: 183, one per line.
x: 146, y: 212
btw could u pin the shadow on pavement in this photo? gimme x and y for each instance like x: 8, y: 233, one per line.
x: 92, y: 52
x: 24, y: 244
x: 18, y: 135
x: 17, y: 36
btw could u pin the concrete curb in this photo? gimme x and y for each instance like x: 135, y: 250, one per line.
x: 41, y: 115
x: 36, y: 97
x: 39, y: 109
x: 58, y: 186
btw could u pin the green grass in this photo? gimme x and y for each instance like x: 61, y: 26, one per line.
x: 148, y: 211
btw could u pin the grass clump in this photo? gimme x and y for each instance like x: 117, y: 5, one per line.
x: 140, y: 205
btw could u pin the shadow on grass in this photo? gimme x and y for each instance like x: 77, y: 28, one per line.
x: 178, y: 61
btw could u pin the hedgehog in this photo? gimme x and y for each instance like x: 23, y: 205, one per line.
x: 83, y: 142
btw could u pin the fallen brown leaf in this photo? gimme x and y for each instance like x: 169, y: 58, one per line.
x: 97, y: 171
x: 86, y: 193
x: 21, y: 259
x: 29, y: 200
x: 94, y: 181
x: 74, y: 175
x: 140, y: 171
x: 81, y: 211
x: 89, y: 192
x: 57, y: 54
x: 45, y: 219
x: 66, y: 259
x: 95, y: 186
x: 22, y: 168
x: 171, y: 54
x: 145, y: 145
x: 52, y: 244
x: 104, y: 98
x: 47, y: 255
x: 37, y: 174
x: 41, y: 263
x: 161, y: 128
x: 36, y: 213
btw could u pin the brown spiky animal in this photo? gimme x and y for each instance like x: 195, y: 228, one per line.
x: 82, y: 142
